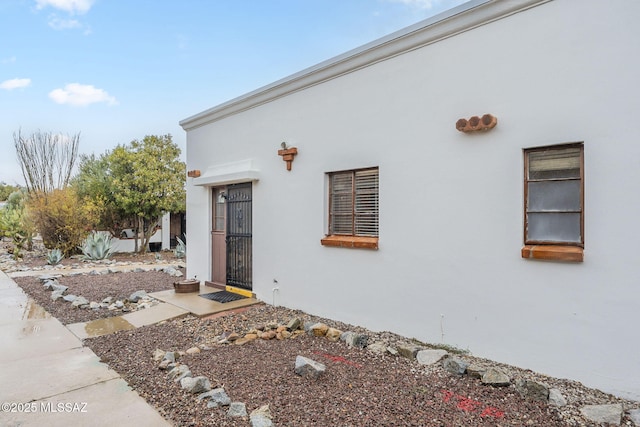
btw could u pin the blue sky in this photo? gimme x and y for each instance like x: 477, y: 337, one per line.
x: 117, y: 70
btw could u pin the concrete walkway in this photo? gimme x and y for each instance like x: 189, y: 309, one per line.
x: 49, y: 378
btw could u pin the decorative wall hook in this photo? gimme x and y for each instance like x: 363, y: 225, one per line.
x: 287, y: 154
x: 476, y: 123
x: 193, y: 173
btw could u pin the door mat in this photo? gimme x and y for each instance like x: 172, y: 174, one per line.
x: 223, y: 296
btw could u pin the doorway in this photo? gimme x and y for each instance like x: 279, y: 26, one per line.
x: 231, y: 236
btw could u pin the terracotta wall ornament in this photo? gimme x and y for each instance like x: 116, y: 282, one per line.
x: 287, y: 154
x: 193, y: 173
x: 475, y: 123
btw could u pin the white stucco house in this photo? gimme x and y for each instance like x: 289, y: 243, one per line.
x: 470, y: 180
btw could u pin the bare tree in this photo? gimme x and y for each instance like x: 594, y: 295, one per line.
x: 46, y: 159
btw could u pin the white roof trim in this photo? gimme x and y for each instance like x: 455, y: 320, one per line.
x: 454, y: 21
x: 228, y: 173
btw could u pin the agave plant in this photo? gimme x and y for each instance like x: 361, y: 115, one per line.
x: 181, y: 249
x: 97, y: 246
x: 54, y: 256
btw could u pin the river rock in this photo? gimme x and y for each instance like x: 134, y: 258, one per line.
x: 261, y: 417
x: 333, y: 334
x: 80, y: 301
x: 455, y: 365
x: 217, y: 397
x: 496, y: 377
x: 306, y: 367
x: 533, y: 390
x: 611, y: 414
x: 137, y: 296
x: 195, y: 385
x: 237, y: 409
x: 429, y: 357
x: 556, y: 398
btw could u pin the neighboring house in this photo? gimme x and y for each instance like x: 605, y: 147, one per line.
x: 515, y: 242
x: 171, y: 226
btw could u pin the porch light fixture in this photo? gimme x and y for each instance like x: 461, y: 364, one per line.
x: 475, y: 123
x: 287, y: 154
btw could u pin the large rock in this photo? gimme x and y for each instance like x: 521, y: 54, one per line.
x: 353, y: 339
x: 80, y: 301
x: 429, y: 357
x: 217, y: 397
x: 179, y: 372
x: 319, y: 329
x: 377, y: 347
x: 261, y: 417
x: 496, y: 377
x: 195, y: 384
x: 556, y: 398
x: 55, y: 286
x: 171, y: 356
x: 158, y: 354
x: 333, y: 334
x: 455, y: 365
x: 308, y: 368
x: 408, y: 350
x: 237, y: 409
x: 533, y: 390
x: 294, y: 324
x: 55, y: 295
x: 634, y: 414
x: 69, y: 298
x: 137, y: 296
x: 611, y: 414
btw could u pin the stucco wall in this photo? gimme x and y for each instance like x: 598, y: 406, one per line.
x: 449, y: 267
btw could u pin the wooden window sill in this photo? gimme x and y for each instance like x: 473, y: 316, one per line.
x: 553, y: 253
x: 350, y: 242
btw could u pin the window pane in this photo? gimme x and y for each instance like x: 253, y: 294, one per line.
x: 554, y: 196
x: 554, y: 227
x: 554, y: 163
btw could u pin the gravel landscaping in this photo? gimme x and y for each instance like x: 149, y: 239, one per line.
x: 359, y: 388
x: 119, y: 286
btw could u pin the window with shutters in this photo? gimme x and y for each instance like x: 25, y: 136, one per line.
x: 353, y: 209
x: 554, y: 201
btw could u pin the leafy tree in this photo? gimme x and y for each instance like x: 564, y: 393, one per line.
x: 94, y: 185
x: 148, y: 180
x: 46, y: 159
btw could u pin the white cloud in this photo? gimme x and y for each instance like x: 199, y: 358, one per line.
x: 9, y: 60
x: 77, y: 94
x: 71, y: 6
x: 15, y: 84
x: 63, y: 24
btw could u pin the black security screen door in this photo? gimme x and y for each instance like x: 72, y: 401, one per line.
x: 239, y: 235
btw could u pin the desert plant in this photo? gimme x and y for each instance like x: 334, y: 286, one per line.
x: 54, y: 256
x: 181, y: 249
x: 15, y: 224
x: 97, y: 246
x: 62, y: 219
